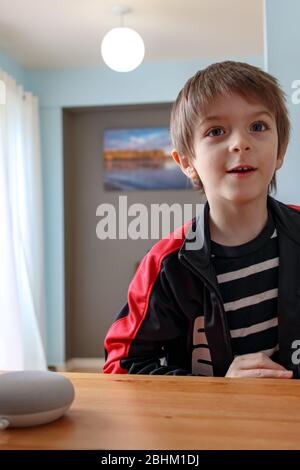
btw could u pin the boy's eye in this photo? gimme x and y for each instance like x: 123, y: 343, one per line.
x: 215, y: 132
x: 259, y: 127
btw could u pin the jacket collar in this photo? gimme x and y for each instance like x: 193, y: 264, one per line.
x: 196, y: 249
x: 287, y: 219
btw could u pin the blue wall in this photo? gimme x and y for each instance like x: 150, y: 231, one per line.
x: 282, y: 59
x: 156, y: 82
x: 52, y: 168
x: 12, y: 68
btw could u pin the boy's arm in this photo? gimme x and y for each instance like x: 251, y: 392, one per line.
x: 147, y: 327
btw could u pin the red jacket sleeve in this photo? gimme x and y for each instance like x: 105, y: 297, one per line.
x: 135, y: 342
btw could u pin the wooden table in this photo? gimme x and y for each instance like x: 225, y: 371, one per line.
x: 161, y: 412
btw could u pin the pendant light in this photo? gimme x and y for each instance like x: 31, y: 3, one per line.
x: 122, y: 48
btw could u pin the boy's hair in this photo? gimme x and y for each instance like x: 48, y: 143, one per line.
x: 223, y: 78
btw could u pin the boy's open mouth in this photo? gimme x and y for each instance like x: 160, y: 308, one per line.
x: 241, y: 169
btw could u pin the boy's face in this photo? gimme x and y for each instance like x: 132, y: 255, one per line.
x: 236, y: 132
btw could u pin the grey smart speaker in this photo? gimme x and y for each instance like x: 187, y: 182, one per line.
x: 29, y: 398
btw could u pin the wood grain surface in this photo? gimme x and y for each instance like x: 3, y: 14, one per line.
x: 167, y: 412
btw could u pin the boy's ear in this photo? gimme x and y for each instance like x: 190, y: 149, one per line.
x: 279, y: 161
x: 182, y: 162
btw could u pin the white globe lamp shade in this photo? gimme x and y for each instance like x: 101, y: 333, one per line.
x: 122, y: 49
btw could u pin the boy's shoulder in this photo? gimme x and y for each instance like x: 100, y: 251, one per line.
x: 168, y: 245
x: 287, y: 219
x: 293, y: 206
x: 163, y: 255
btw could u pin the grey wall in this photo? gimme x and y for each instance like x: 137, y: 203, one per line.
x: 98, y: 272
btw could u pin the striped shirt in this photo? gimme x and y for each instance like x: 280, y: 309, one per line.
x: 248, y: 281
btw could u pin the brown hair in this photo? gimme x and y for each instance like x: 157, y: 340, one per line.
x: 223, y: 78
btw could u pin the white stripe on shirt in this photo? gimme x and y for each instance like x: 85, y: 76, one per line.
x: 251, y: 300
x: 242, y: 332
x: 253, y: 269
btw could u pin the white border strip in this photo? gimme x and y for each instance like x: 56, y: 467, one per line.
x: 81, y: 363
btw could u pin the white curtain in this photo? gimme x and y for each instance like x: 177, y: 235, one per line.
x: 22, y: 293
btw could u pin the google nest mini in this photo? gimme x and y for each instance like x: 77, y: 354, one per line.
x: 30, y: 398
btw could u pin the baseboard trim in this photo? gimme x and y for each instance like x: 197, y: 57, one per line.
x: 82, y: 363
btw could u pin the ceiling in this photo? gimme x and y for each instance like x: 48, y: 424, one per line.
x: 67, y: 33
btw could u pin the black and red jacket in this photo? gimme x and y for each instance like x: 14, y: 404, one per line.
x: 175, y: 286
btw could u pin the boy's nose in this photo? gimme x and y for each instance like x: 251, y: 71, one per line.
x: 240, y: 148
x: 239, y: 143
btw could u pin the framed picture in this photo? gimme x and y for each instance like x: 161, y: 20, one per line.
x: 140, y: 159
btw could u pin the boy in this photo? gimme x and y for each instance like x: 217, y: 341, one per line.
x: 231, y: 306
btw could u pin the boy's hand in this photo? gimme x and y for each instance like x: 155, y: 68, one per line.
x: 257, y: 365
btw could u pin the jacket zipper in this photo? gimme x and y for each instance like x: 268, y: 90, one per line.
x: 215, y: 298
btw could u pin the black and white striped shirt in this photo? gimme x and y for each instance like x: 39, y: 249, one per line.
x: 248, y: 281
